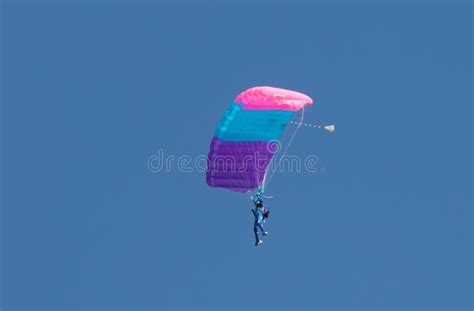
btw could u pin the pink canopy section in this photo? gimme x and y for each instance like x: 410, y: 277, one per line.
x: 272, y: 98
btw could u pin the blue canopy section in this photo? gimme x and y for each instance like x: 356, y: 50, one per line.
x: 252, y: 125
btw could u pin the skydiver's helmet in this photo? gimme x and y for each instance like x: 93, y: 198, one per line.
x: 258, y: 203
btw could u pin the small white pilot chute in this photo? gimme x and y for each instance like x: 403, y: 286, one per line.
x: 330, y: 128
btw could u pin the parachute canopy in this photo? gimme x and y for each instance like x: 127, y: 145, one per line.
x: 247, y: 136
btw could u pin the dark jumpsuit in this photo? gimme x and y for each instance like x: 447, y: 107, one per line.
x: 259, y: 220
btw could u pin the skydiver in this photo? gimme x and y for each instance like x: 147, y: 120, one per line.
x: 261, y: 214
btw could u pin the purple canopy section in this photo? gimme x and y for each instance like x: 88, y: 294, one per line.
x: 236, y: 165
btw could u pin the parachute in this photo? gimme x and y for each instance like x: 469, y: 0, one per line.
x: 247, y: 137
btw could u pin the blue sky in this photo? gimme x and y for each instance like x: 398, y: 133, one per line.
x: 91, y: 90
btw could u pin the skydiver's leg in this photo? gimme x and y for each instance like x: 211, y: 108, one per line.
x: 260, y: 224
x: 255, y: 231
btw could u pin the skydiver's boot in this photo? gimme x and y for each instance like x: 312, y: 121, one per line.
x: 258, y: 242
